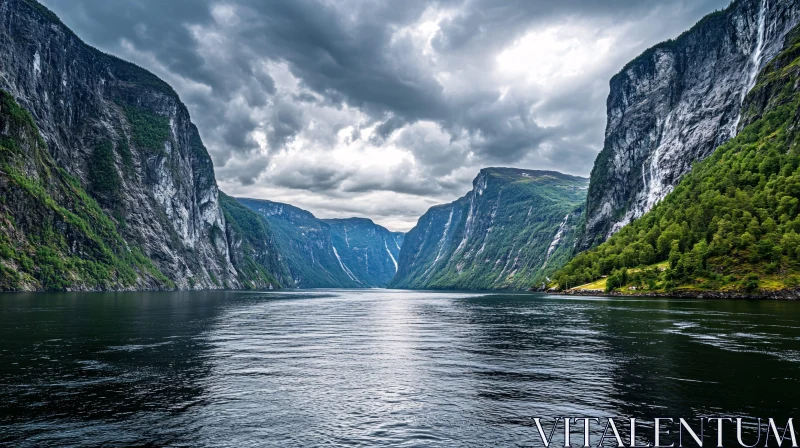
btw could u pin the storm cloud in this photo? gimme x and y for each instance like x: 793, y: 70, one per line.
x: 382, y: 108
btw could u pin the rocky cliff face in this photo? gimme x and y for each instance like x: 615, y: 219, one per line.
x: 332, y: 253
x: 127, y: 139
x: 730, y: 228
x: 53, y: 235
x: 674, y: 104
x: 513, y: 228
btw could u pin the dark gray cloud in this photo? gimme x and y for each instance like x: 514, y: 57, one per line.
x: 396, y: 103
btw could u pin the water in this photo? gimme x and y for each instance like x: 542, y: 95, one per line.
x: 377, y: 368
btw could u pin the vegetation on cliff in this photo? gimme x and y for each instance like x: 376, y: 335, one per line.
x: 63, y: 239
x: 149, y: 130
x: 732, y: 223
x: 258, y: 262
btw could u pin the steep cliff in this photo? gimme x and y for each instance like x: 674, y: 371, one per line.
x: 674, y: 104
x: 53, y: 235
x: 731, y: 227
x: 336, y: 253
x: 513, y: 228
x: 122, y: 135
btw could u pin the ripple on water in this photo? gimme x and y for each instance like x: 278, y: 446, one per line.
x: 374, y: 368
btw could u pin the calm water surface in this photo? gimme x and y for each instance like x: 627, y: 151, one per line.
x: 377, y: 368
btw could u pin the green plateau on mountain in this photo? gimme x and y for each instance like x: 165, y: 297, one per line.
x: 732, y: 223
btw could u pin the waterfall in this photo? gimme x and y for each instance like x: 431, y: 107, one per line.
x: 344, y: 268
x: 755, y: 61
x: 755, y: 66
x: 390, y: 255
x: 555, y: 241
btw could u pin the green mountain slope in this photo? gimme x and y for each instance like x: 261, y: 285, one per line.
x: 509, y: 232
x: 53, y: 235
x: 731, y: 224
x: 254, y: 250
x: 305, y: 243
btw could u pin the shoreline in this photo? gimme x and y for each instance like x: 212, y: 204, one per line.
x: 783, y: 294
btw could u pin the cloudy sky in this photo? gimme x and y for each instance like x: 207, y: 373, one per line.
x: 382, y: 108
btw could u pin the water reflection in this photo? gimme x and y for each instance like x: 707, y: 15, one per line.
x: 376, y: 368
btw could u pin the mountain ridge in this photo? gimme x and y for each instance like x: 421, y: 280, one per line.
x: 330, y: 253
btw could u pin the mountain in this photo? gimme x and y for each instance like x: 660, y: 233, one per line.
x: 369, y: 251
x: 104, y: 155
x: 732, y: 225
x: 513, y: 228
x: 254, y: 248
x: 671, y: 106
x: 333, y: 253
x: 399, y: 239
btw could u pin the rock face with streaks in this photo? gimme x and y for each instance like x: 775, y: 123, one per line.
x: 369, y: 251
x: 513, y: 228
x: 126, y: 138
x: 674, y: 104
x: 331, y: 253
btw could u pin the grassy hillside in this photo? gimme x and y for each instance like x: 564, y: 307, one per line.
x: 732, y: 223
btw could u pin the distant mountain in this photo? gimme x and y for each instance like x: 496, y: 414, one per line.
x: 369, y: 251
x: 331, y: 253
x: 674, y: 104
x: 399, y: 239
x: 105, y: 182
x: 513, y: 228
